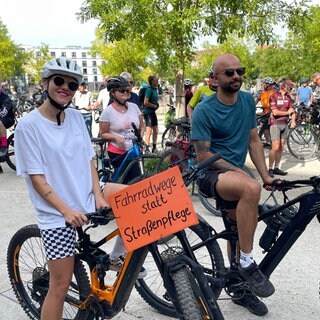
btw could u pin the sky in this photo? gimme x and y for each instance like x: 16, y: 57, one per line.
x: 32, y: 22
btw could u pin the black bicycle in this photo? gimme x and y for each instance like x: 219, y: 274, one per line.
x: 285, y: 223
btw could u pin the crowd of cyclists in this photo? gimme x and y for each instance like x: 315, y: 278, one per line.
x: 223, y: 119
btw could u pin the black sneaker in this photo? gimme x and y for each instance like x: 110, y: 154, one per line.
x: 259, y: 284
x: 279, y: 172
x: 252, y: 303
x: 270, y: 172
x: 3, y: 151
x: 1, y: 170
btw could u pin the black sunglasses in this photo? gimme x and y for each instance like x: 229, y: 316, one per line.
x: 230, y: 72
x: 59, y: 81
x: 123, y: 90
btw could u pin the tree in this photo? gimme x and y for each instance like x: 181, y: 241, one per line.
x: 121, y: 55
x: 170, y: 27
x: 34, y: 64
x: 12, y: 57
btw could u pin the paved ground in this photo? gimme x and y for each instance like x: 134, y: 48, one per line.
x: 297, y: 279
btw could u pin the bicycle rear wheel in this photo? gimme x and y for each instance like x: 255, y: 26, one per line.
x: 171, y: 158
x: 168, y: 135
x: 29, y: 276
x: 210, y: 257
x: 10, y: 159
x: 302, y: 142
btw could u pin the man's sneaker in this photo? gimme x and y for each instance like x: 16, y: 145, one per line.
x: 1, y: 170
x: 116, y: 264
x: 3, y: 151
x: 279, y: 172
x: 259, y: 284
x: 252, y: 303
x: 270, y: 172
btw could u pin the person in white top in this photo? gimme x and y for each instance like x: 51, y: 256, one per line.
x: 103, y: 97
x: 83, y: 100
x: 54, y: 154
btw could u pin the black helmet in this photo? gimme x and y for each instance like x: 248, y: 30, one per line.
x: 116, y: 83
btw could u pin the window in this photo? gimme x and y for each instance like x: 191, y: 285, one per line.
x: 83, y: 55
x: 95, y: 79
x: 94, y: 63
x: 85, y: 71
x: 94, y: 55
x: 85, y: 79
x: 38, y: 54
x: 63, y: 54
x: 73, y: 54
x: 94, y: 71
x: 52, y: 54
x: 84, y: 64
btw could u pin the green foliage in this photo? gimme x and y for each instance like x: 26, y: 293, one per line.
x: 11, y: 57
x: 34, y: 64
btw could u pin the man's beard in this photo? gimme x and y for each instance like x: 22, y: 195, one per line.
x: 230, y: 89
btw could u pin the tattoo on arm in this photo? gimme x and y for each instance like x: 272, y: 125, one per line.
x: 47, y: 193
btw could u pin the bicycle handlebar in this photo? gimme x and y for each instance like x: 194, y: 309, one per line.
x: 197, y: 169
x: 286, y: 185
x: 101, y: 216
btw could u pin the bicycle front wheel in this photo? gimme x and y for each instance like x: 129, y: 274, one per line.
x: 302, y: 142
x: 10, y: 159
x: 29, y: 276
x: 192, y: 306
x: 151, y: 287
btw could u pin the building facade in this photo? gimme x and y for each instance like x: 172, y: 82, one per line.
x: 89, y: 63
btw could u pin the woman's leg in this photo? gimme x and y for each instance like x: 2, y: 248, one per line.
x: 61, y: 271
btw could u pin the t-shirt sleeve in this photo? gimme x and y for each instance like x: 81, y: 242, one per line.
x: 201, y: 128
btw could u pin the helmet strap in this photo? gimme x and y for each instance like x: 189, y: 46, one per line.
x: 58, y: 106
x: 116, y: 99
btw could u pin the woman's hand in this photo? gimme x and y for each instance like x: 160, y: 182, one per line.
x: 120, y: 142
x: 75, y: 218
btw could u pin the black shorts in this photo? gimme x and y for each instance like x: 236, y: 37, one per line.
x: 151, y: 119
x: 8, y: 120
x: 207, y: 185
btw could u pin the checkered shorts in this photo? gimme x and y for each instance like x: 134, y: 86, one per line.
x: 59, y: 243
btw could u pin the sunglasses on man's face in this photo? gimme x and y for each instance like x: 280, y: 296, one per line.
x: 123, y: 91
x: 230, y: 72
x: 59, y: 81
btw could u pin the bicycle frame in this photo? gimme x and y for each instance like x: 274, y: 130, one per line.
x: 308, y: 209
x: 113, y: 297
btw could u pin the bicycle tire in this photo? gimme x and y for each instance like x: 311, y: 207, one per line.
x: 10, y: 159
x: 169, y: 134
x: 302, y: 143
x: 169, y: 159
x: 27, y: 265
x: 210, y: 203
x: 151, y: 287
x: 192, y: 305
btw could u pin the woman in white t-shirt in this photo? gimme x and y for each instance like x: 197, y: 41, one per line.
x: 53, y: 152
x: 115, y: 123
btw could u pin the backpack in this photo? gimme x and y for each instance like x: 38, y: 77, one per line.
x: 142, y: 93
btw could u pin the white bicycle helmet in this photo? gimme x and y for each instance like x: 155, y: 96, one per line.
x: 187, y: 82
x: 62, y: 66
x: 268, y: 80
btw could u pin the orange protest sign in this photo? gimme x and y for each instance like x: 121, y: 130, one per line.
x: 152, y: 209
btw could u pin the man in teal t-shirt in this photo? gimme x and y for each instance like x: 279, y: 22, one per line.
x: 225, y: 123
x: 151, y: 104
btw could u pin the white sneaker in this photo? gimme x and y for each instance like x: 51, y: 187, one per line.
x: 116, y: 265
